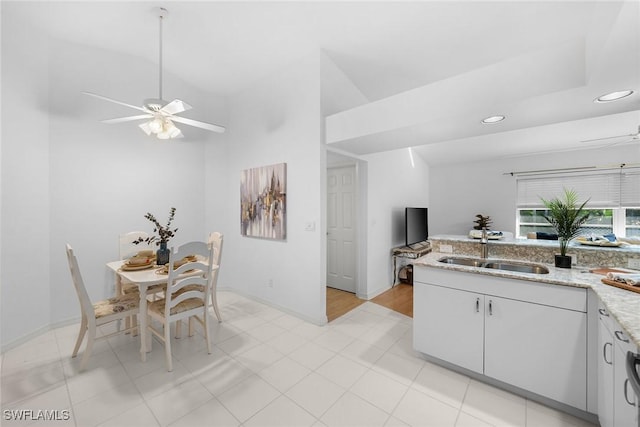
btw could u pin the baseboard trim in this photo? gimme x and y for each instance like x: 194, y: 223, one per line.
x: 34, y: 334
x: 371, y: 295
x: 319, y: 322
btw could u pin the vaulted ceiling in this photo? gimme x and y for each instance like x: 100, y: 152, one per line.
x: 434, y: 69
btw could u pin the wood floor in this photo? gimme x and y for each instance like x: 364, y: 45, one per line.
x: 399, y: 298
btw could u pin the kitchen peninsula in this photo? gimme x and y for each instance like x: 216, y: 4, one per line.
x: 624, y: 305
x: 536, y: 333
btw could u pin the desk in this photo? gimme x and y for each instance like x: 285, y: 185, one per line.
x: 411, y: 252
x: 144, y: 279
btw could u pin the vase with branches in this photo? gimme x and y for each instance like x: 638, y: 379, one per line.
x: 566, y: 216
x: 164, y: 234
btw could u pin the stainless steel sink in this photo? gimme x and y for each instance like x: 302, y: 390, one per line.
x: 519, y: 267
x: 463, y: 261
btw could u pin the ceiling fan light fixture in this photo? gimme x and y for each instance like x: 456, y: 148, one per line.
x: 613, y: 96
x: 156, y: 125
x: 162, y: 128
x: 493, y: 119
x: 145, y: 127
x: 171, y: 129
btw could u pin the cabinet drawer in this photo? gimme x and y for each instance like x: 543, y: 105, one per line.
x: 566, y: 297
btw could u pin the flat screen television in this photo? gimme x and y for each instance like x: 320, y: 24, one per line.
x: 416, y: 225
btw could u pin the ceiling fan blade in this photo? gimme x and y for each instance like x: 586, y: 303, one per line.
x: 626, y: 141
x: 203, y: 125
x: 95, y: 95
x: 128, y: 119
x: 607, y: 137
x: 174, y: 107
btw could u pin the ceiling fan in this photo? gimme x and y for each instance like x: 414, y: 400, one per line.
x: 159, y: 113
x: 630, y: 137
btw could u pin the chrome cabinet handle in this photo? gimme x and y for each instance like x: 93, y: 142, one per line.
x: 477, y: 305
x: 604, y: 352
x: 620, y: 336
x: 490, y: 308
x: 633, y: 362
x: 603, y: 312
x: 626, y: 394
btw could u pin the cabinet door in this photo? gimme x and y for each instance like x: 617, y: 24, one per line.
x: 605, y: 375
x: 448, y: 324
x: 537, y: 348
x: 625, y: 401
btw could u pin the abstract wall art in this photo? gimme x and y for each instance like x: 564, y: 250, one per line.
x: 263, y: 202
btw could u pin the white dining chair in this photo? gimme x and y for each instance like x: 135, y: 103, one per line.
x: 127, y: 248
x: 186, y: 297
x: 216, y: 240
x: 99, y: 313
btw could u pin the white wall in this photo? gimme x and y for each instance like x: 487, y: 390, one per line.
x: 338, y: 93
x: 25, y: 182
x: 393, y: 184
x: 276, y: 120
x: 387, y: 183
x: 460, y: 191
x: 66, y: 177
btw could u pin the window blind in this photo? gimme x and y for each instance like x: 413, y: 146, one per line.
x: 630, y: 188
x: 604, y: 188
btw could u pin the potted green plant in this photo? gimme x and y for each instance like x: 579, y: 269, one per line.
x: 566, y: 217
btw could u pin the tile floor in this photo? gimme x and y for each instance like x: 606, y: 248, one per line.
x: 267, y: 369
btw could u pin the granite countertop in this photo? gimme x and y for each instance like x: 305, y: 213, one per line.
x: 623, y: 305
x: 626, y: 248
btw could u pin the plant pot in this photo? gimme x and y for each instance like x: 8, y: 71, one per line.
x: 563, y: 261
x: 162, y: 254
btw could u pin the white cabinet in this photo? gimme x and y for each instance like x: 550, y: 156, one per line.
x: 625, y: 404
x: 459, y: 338
x: 527, y: 334
x: 538, y: 348
x: 605, y: 370
x: 617, y: 402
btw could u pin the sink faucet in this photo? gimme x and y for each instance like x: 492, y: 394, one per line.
x: 484, y: 243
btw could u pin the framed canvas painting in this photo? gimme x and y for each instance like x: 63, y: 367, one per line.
x: 263, y: 202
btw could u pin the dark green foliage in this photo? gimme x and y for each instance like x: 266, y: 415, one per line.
x: 566, y: 217
x: 482, y: 222
x: 164, y: 233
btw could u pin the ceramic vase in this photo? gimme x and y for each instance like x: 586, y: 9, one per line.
x: 162, y: 254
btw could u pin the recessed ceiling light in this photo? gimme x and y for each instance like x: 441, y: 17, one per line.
x: 614, y: 96
x: 492, y: 119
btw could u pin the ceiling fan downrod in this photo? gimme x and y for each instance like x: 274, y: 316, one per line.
x: 163, y: 13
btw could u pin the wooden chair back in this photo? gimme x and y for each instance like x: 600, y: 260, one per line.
x: 126, y: 247
x: 199, y: 275
x: 78, y: 283
x: 216, y: 240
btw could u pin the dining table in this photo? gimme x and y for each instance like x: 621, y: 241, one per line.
x: 144, y: 278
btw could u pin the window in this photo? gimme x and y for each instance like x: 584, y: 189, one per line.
x: 601, y: 221
x: 632, y: 223
x: 614, y: 200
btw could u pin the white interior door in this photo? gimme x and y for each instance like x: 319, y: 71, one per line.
x: 341, y: 232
